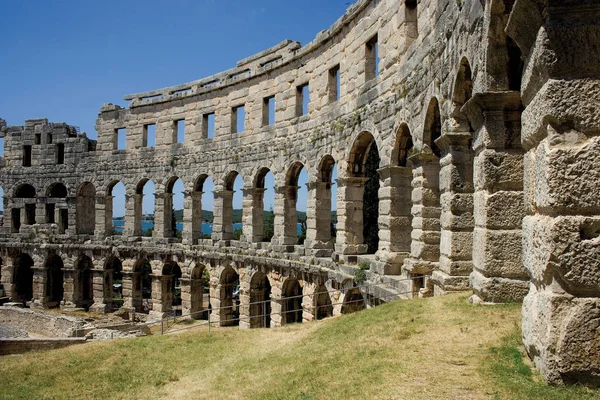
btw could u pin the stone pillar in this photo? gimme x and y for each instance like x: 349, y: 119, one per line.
x: 425, y: 244
x: 39, y: 286
x: 191, y: 297
x: 318, y: 219
x: 394, y: 217
x: 308, y: 302
x: 561, y: 232
x: 498, y: 274
x: 104, y: 211
x: 192, y: 217
x: 133, y: 215
x: 7, y: 278
x: 277, y: 318
x: 69, y: 282
x: 162, y: 298
x: 102, y: 303
x: 286, y: 220
x: 456, y: 201
x: 163, y: 212
x: 244, y: 307
x: 40, y: 214
x: 253, y: 214
x: 350, y: 238
x: 223, y: 214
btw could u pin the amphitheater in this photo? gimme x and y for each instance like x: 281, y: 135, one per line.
x: 484, y: 115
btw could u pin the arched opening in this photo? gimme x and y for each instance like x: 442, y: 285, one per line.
x: 26, y: 193
x: 144, y: 208
x: 83, y: 283
x: 323, y: 306
x: 86, y: 209
x: 263, y: 203
x: 232, y: 206
x: 353, y: 301
x: 114, y: 208
x: 54, y: 281
x: 364, y: 163
x: 22, y: 278
x: 197, y: 291
x: 321, y: 230
x: 171, y: 287
x: 206, y: 186
x: 229, y: 296
x: 113, y: 283
x: 173, y: 208
x: 57, y: 207
x: 402, y: 147
x: 142, y: 286
x: 291, y: 294
x: 260, y: 301
x: 295, y: 199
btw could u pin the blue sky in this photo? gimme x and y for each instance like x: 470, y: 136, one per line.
x: 62, y: 59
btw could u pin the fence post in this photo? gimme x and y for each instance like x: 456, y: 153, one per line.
x: 162, y: 328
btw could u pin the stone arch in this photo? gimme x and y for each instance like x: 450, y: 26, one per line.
x: 86, y: 209
x: 353, y: 301
x: 287, y: 227
x: 83, y: 282
x: 291, y: 295
x: 112, y: 285
x: 110, y: 226
x: 27, y: 194
x: 322, y: 303
x: 260, y: 301
x: 53, y: 287
x: 192, y: 213
x: 171, y: 289
x: 228, y: 292
x: 262, y: 221
x: 22, y: 278
x: 138, y: 229
x: 192, y: 292
x: 142, y: 285
x: 403, y: 146
x: 169, y: 220
x: 24, y: 191
x: 432, y: 127
x: 224, y: 199
x: 57, y: 190
x: 321, y: 228
x: 57, y: 207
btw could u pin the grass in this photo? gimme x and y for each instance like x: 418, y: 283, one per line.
x: 422, y: 349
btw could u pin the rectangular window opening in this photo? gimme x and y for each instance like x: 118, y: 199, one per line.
x: 238, y: 119
x: 372, y: 58
x: 60, y: 153
x: 268, y: 111
x: 63, y: 223
x: 27, y: 156
x: 30, y: 214
x: 149, y: 137
x: 49, y: 139
x: 302, y: 100
x: 15, y: 215
x: 208, y: 125
x: 120, y: 139
x: 411, y: 21
x: 180, y: 130
x: 38, y: 138
x: 333, y: 86
x: 50, y: 213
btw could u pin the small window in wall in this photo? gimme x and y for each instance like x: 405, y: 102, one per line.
x: 302, y: 100
x: 208, y: 125
x: 63, y: 222
x: 50, y: 213
x: 371, y: 58
x: 30, y: 214
x: 49, y: 139
x: 60, y: 153
x: 411, y: 21
x: 238, y: 119
x: 333, y: 85
x: 179, y: 127
x: 38, y: 138
x: 15, y: 215
x: 149, y: 135
x: 120, y: 139
x: 27, y: 156
x: 268, y: 111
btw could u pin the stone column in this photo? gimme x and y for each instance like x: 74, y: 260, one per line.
x: 456, y: 201
x: 286, y: 220
x: 69, y: 281
x: 253, y: 214
x: 350, y: 238
x: 244, y: 310
x: 163, y: 212
x: 40, y: 214
x: 161, y: 295
x: 39, y: 284
x: 7, y: 278
x: 133, y: 215
x: 498, y: 274
x: 561, y: 232
x: 425, y: 244
x: 318, y: 219
x: 308, y: 302
x: 394, y: 218
x: 192, y: 217
x: 104, y: 211
x: 101, y: 302
x: 191, y: 297
x: 223, y: 214
x: 277, y: 318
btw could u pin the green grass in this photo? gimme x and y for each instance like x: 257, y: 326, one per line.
x: 422, y: 349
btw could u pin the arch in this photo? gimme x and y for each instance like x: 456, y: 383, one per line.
x: 83, y: 282
x: 322, y: 303
x: 171, y: 287
x: 114, y: 208
x: 325, y: 196
x: 353, y: 301
x: 359, y: 152
x: 263, y: 200
x: 229, y: 292
x: 173, y: 203
x: 113, y: 283
x: 260, y: 301
x: 144, y: 208
x: 86, y: 209
x: 142, y: 285
x: 230, y: 179
x: 24, y: 191
x: 232, y: 199
x: 326, y: 169
x: 402, y: 146
x: 203, y: 201
x: 432, y: 128
x: 293, y: 173
x: 57, y: 190
x: 54, y: 280
x: 22, y: 278
x: 463, y: 85
x: 198, y: 286
x: 295, y: 189
x: 291, y: 294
